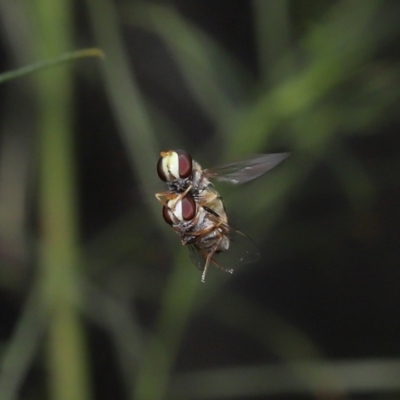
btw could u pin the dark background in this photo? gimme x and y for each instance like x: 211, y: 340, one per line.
x: 318, y: 315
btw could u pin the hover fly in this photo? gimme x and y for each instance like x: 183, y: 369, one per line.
x: 195, y: 210
x: 203, y: 226
x: 179, y: 170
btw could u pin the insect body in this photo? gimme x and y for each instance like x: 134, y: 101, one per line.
x: 179, y: 170
x: 203, y: 226
x: 195, y: 210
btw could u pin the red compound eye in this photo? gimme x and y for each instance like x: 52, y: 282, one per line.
x: 185, y: 163
x: 166, y: 215
x: 188, y: 208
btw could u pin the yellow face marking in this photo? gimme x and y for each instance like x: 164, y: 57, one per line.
x: 170, y: 164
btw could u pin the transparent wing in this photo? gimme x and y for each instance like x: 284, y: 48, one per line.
x: 197, y: 257
x: 242, y: 250
x: 245, y: 170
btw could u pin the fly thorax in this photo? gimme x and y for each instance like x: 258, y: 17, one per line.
x: 196, y: 176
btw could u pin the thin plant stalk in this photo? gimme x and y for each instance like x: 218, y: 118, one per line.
x: 66, y: 354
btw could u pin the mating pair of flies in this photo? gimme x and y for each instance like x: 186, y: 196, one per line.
x: 196, y: 212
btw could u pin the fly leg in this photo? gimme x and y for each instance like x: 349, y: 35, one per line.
x: 164, y: 197
x: 209, y: 259
x: 182, y: 195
